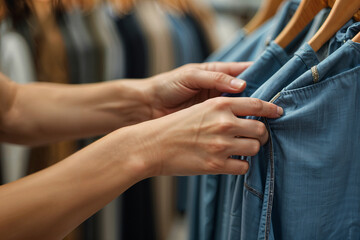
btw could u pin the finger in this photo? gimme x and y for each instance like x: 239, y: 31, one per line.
x: 197, y: 79
x: 231, y: 68
x: 249, y: 128
x: 243, y: 147
x: 235, y: 167
x: 254, y: 107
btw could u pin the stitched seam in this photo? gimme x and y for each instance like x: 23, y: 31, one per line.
x: 254, y: 191
x: 271, y: 186
x: 321, y: 83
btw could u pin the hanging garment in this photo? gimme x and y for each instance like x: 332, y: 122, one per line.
x: 251, y: 46
x: 51, y: 66
x: 136, y: 48
x: 71, y: 49
x: 325, y: 208
x: 216, y: 191
x: 202, y: 39
x: 212, y: 194
x: 100, y: 40
x: 157, y: 34
x: 186, y: 39
x: 178, y: 39
x: 84, y: 46
x: 224, y: 51
x: 115, y: 58
x: 16, y: 62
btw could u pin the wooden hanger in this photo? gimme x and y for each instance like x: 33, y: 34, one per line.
x: 356, y: 38
x: 2, y: 10
x: 305, y: 13
x: 342, y: 11
x: 267, y: 9
x: 122, y: 6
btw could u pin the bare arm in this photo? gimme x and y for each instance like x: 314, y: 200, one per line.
x: 40, y: 113
x: 44, y: 112
x: 196, y: 140
x: 188, y: 135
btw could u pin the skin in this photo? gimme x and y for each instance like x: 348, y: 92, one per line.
x: 170, y: 124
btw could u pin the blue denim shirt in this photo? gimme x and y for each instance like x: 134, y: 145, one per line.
x: 250, y: 47
x: 210, y: 195
x: 302, y: 184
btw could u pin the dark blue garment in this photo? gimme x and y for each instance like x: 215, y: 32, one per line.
x: 136, y: 48
x: 300, y: 185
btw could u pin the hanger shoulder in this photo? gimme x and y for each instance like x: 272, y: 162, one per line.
x: 342, y: 11
x: 305, y: 13
x: 267, y: 9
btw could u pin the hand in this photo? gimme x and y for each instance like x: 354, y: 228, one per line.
x: 192, y: 84
x: 200, y: 139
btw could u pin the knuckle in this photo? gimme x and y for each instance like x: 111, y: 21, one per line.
x: 220, y: 103
x: 220, y: 77
x: 256, y: 104
x: 214, y: 165
x: 261, y: 130
x: 254, y: 148
x: 224, y: 124
x: 217, y: 146
x: 243, y: 168
x: 209, y: 66
x: 190, y: 65
x: 189, y: 72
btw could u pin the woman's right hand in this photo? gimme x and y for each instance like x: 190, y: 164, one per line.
x: 201, y: 138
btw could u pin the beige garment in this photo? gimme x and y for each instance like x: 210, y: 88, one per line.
x: 165, y: 205
x: 155, y: 26
x: 161, y: 59
x: 51, y: 66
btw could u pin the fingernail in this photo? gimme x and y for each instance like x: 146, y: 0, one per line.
x: 280, y: 111
x: 237, y: 83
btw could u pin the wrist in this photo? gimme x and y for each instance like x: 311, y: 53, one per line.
x: 134, y: 100
x: 134, y: 152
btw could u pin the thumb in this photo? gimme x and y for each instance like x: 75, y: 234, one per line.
x: 197, y: 79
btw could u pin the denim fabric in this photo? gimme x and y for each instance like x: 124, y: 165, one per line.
x: 315, y: 148
x: 221, y: 53
x: 254, y: 45
x: 179, y: 39
x: 269, y: 63
x: 249, y: 47
x: 249, y: 197
x: 298, y: 163
x: 208, y: 218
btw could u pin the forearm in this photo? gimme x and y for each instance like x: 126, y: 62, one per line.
x: 44, y: 112
x: 52, y: 202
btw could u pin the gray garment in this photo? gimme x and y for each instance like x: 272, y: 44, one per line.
x: 16, y: 63
x: 84, y: 45
x: 115, y: 58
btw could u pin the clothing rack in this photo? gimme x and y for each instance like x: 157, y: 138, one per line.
x: 95, y: 41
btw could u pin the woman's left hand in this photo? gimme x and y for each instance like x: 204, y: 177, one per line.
x: 192, y: 84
